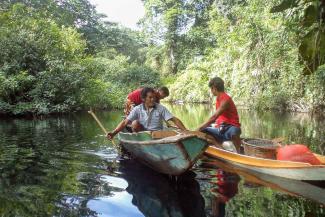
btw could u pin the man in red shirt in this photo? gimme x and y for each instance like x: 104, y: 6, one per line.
x: 134, y: 98
x: 227, y: 126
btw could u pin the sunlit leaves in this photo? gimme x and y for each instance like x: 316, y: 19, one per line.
x: 179, y: 29
x: 258, y: 59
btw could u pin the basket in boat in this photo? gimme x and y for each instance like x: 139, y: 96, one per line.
x: 262, y: 148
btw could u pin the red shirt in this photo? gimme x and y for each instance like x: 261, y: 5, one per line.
x: 230, y: 116
x: 135, y: 97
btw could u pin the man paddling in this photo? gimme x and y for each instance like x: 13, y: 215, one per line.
x: 226, y: 116
x: 134, y: 98
x: 147, y: 116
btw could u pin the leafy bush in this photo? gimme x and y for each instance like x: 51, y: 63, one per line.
x: 39, y: 63
x: 44, y: 68
x: 113, y: 79
x: 258, y: 58
x: 191, y: 87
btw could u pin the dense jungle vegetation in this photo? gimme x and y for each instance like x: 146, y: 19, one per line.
x: 60, y: 55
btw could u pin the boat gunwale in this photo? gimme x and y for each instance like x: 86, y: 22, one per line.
x: 257, y: 162
x: 268, y: 147
x: 167, y: 140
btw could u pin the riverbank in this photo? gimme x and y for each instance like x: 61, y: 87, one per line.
x: 211, y: 105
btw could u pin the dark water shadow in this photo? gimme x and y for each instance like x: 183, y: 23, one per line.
x: 158, y: 195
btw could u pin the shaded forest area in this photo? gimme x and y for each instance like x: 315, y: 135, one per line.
x: 60, y: 55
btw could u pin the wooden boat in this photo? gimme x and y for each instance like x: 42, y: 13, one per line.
x: 289, y: 186
x: 164, y: 151
x: 284, y: 169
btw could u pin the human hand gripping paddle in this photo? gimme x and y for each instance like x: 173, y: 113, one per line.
x: 101, y: 126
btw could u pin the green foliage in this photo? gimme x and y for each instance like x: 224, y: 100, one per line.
x: 113, y: 78
x: 59, y: 56
x: 44, y: 68
x: 311, y: 15
x: 312, y: 49
x: 38, y: 63
x: 188, y: 90
x: 138, y: 76
x: 82, y: 16
x: 284, y: 5
x: 182, y: 27
x: 112, y: 37
x: 72, y: 13
x: 258, y: 58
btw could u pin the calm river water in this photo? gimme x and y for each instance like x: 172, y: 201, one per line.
x: 64, y: 166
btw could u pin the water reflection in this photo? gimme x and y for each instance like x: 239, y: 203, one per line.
x: 218, y: 187
x: 314, y: 190
x: 157, y: 195
x: 64, y: 166
x: 257, y: 195
x: 294, y: 127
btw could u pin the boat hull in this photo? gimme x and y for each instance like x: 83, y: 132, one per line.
x: 284, y: 169
x: 168, y: 156
x: 294, y: 187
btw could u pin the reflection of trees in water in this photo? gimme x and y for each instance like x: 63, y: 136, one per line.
x: 38, y: 162
x: 191, y: 114
x: 260, y: 202
x: 252, y: 199
x: 74, y: 206
x: 295, y: 128
x: 92, y: 186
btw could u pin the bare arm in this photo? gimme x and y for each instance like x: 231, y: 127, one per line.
x: 223, y: 107
x: 118, y: 129
x: 178, y: 123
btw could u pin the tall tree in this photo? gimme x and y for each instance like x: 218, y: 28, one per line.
x: 164, y: 22
x: 79, y: 14
x: 180, y: 28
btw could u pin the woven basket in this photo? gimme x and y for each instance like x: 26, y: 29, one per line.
x: 262, y: 148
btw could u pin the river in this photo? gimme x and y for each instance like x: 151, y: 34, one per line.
x: 64, y: 166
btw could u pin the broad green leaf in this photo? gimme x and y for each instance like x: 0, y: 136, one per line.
x: 312, y: 50
x: 310, y: 16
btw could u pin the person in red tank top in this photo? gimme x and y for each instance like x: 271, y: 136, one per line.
x: 226, y: 119
x: 134, y: 98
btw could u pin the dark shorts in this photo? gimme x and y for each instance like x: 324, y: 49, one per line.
x: 225, y: 136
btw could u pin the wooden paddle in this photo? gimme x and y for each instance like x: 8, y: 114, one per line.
x: 100, y: 124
